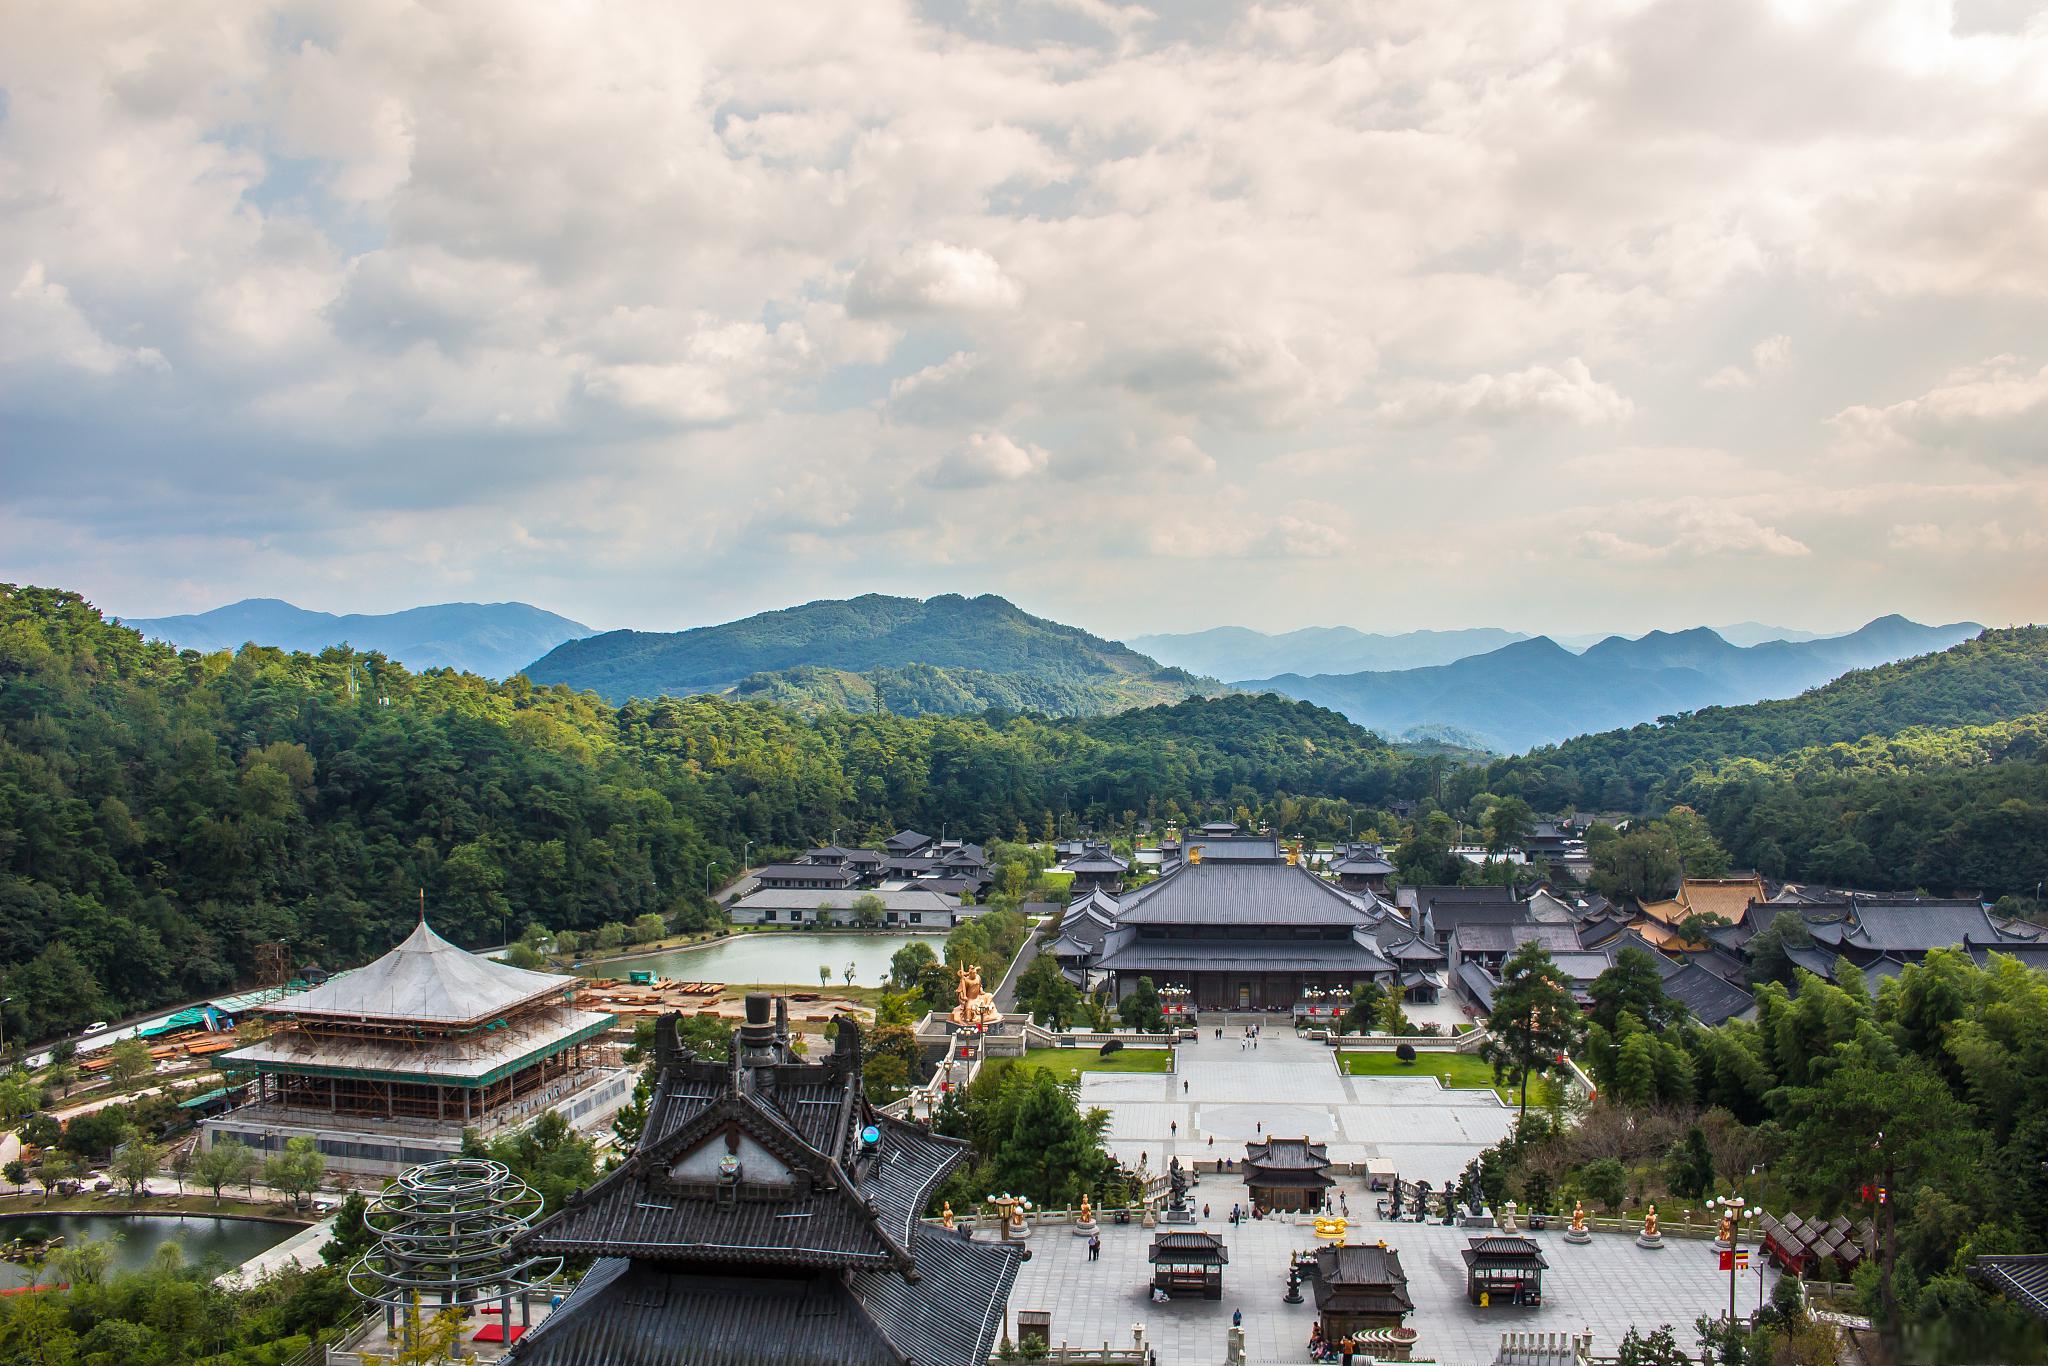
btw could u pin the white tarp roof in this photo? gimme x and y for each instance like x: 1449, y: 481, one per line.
x: 425, y: 978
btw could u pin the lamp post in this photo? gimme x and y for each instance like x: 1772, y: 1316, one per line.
x: 709, y: 869
x: 1735, y: 1210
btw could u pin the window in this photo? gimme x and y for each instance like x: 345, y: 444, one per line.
x: 767, y: 916
x: 917, y: 917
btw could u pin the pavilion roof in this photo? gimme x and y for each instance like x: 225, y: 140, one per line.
x: 425, y: 978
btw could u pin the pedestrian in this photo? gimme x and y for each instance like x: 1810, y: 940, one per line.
x: 1205, y: 1209
x: 1237, y: 1318
x: 1259, y: 1126
x: 1348, y: 1347
x: 1173, y: 1127
x: 1212, y: 1140
x: 1183, y: 1088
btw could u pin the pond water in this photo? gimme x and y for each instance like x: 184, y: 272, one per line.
x: 138, y: 1236
x: 775, y: 959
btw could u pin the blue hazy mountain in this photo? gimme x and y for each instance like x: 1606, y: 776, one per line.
x: 1240, y: 652
x: 490, y: 638
x: 1537, y: 692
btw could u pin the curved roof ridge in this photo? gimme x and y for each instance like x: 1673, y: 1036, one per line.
x: 425, y: 977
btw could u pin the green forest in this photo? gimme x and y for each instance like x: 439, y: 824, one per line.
x: 907, y: 655
x: 1915, y: 1101
x: 1930, y: 774
x: 161, y: 814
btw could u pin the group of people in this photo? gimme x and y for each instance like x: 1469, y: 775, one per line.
x: 1250, y: 1038
x: 1321, y: 1348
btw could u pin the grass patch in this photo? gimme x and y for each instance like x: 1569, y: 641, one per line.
x: 193, y: 1202
x: 1461, y: 1070
x: 1069, y: 1063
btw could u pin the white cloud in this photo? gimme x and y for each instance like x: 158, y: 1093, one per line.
x: 931, y: 277
x: 1996, y: 410
x: 1569, y: 394
x: 1265, y: 278
x: 989, y: 458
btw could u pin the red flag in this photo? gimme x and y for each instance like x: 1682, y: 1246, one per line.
x: 1727, y: 1261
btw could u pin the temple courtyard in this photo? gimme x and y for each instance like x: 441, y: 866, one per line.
x: 1290, y: 1088
x: 1608, y: 1285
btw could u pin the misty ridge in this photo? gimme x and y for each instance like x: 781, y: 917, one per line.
x: 1485, y: 687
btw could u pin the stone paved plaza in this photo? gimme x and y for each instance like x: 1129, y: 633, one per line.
x: 1608, y: 1285
x: 1292, y: 1088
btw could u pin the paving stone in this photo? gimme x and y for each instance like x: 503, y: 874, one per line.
x: 1290, y: 1087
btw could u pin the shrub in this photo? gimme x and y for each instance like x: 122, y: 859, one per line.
x: 1112, y: 1046
x: 1405, y: 1052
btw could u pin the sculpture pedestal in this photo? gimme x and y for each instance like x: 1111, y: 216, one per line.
x: 1178, y: 1216
x: 1654, y: 1242
x: 1085, y: 1228
x: 1577, y: 1235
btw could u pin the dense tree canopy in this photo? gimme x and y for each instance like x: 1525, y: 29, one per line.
x: 162, y: 814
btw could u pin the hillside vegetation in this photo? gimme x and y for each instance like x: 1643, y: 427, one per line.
x: 162, y: 814
x: 1999, y: 676
x: 946, y: 653
x: 1929, y: 774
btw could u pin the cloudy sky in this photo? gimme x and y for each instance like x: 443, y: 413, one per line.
x: 1575, y: 316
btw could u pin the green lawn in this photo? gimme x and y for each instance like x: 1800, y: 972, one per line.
x: 1068, y: 1063
x: 1453, y: 1069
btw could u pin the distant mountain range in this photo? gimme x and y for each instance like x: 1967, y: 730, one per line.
x: 1536, y: 692
x: 942, y: 654
x: 1240, y: 652
x: 494, y: 639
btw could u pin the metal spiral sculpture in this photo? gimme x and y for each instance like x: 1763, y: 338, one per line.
x: 444, y: 1233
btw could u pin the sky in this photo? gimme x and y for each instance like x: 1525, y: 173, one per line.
x: 1553, y: 316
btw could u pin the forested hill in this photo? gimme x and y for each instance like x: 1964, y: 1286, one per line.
x: 975, y: 653
x: 162, y: 814
x: 1997, y: 676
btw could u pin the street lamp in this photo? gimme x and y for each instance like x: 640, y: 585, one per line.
x: 709, y: 869
x: 1735, y: 1212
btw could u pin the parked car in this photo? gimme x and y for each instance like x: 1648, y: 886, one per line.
x: 96, y: 1027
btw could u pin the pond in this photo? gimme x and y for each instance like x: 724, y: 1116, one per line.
x: 138, y: 1236
x: 775, y: 959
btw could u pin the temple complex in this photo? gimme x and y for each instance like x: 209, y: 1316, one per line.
x: 770, y: 1214
x: 1241, y: 924
x: 385, y: 1066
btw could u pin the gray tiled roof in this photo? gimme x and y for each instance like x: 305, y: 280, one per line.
x: 636, y: 1314
x: 1711, y: 1000
x: 1239, y: 894
x: 954, y: 1309
x: 1253, y: 955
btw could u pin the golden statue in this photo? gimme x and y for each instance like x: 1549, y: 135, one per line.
x: 1650, y: 1223
x: 1087, y: 1210
x: 946, y: 1217
x: 1578, y: 1216
x: 1726, y: 1237
x: 976, y: 1007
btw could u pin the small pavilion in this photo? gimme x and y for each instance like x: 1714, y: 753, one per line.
x: 1500, y: 1269
x: 1288, y: 1174
x: 1360, y: 1288
x: 1185, y: 1262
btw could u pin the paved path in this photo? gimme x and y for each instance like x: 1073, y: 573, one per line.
x: 1291, y: 1087
x: 1608, y: 1285
x: 301, y: 1249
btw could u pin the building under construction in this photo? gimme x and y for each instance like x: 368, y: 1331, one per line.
x: 384, y: 1067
